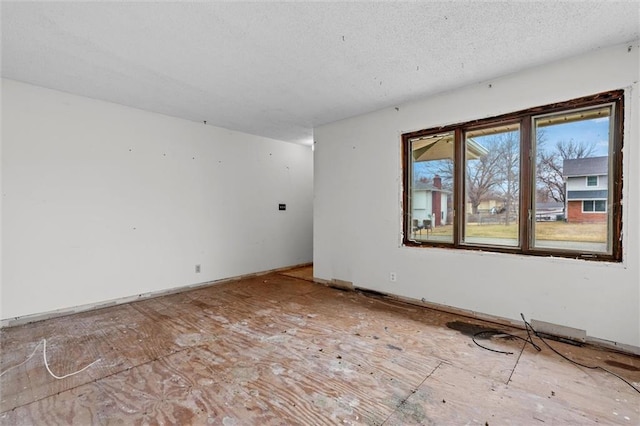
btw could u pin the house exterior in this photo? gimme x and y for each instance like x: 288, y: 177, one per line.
x: 491, y: 204
x: 550, y: 211
x: 586, y: 186
x: 430, y: 201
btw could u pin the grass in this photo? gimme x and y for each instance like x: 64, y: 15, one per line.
x: 551, y: 231
x: 563, y: 231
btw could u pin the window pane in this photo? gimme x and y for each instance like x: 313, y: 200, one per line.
x: 432, y: 188
x: 600, y: 206
x: 572, y: 180
x: 492, y: 186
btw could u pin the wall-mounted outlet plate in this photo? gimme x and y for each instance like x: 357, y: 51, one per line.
x: 393, y: 277
x: 197, y: 269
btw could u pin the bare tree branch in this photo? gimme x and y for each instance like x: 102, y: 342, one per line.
x: 549, y: 168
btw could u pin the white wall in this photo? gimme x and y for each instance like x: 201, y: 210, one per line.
x: 580, y: 183
x: 359, y: 159
x: 102, y: 201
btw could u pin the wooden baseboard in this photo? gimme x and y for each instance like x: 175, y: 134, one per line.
x: 593, y: 341
x: 27, y: 319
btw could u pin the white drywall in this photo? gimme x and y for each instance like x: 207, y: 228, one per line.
x: 102, y: 201
x: 358, y: 217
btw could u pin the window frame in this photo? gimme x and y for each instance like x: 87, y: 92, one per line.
x: 597, y: 181
x: 525, y: 119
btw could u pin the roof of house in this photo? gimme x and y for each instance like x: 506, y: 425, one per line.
x: 439, y: 147
x: 426, y: 186
x: 549, y: 206
x: 589, y: 166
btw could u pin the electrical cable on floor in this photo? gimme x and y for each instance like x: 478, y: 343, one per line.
x: 504, y: 335
x: 46, y: 363
x: 591, y: 367
x: 530, y: 330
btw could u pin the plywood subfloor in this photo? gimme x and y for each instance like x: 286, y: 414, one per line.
x: 304, y: 273
x: 278, y: 350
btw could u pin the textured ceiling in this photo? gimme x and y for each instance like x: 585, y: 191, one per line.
x: 279, y: 69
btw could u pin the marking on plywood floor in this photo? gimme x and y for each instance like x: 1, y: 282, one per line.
x: 622, y: 365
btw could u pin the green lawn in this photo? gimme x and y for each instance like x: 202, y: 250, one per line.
x: 563, y: 231
x: 554, y: 231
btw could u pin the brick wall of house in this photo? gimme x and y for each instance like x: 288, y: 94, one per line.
x: 575, y: 214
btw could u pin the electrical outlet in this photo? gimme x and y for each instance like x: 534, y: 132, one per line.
x: 197, y: 269
x: 392, y: 277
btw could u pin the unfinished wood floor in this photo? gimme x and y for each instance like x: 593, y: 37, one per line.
x: 279, y: 349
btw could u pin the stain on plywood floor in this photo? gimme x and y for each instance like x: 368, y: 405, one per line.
x: 278, y: 349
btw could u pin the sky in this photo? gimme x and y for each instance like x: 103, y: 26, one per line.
x: 593, y: 131
x: 588, y: 131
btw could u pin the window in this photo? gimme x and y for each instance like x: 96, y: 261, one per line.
x: 492, y: 185
x: 544, y: 181
x: 593, y: 206
x: 432, y: 188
